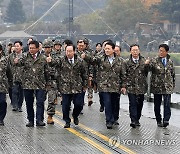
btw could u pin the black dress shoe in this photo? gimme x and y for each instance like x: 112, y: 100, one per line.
x: 76, y: 121
x: 165, y: 124
x: 20, y: 109
x: 159, y: 124
x: 101, y: 109
x: 30, y: 124
x: 90, y: 103
x: 40, y: 123
x: 116, y: 122
x: 133, y: 124
x: 109, y: 126
x: 1, y: 123
x: 67, y: 125
x: 14, y: 109
x: 138, y: 124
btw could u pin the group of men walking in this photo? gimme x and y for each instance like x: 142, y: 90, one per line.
x: 73, y: 70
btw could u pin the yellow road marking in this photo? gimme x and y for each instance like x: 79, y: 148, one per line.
x: 97, y: 146
x: 105, y: 138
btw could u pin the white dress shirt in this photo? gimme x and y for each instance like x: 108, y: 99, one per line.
x: 135, y: 60
x: 111, y: 59
x: 71, y: 61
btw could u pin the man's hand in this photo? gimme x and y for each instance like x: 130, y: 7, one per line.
x: 83, y: 55
x: 147, y: 60
x: 84, y: 89
x: 49, y: 58
x: 16, y: 60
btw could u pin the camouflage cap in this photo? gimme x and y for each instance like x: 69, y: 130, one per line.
x: 10, y: 44
x: 57, y: 42
x: 86, y: 41
x: 47, y: 44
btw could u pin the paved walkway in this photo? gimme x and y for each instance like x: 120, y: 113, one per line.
x: 91, y: 135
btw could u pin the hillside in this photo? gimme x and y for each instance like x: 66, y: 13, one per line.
x: 60, y: 12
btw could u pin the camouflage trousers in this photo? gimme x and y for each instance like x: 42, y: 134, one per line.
x: 90, y: 92
x: 52, y: 96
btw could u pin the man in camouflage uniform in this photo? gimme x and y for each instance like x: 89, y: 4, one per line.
x: 96, y: 52
x: 91, y: 74
x: 81, y: 49
x: 110, y: 78
x: 57, y: 46
x: 9, y: 50
x: 72, y: 81
x: 26, y: 49
x: 34, y: 82
x: 17, y: 72
x: 162, y: 83
x: 117, y: 50
x: 136, y: 84
x: 58, y: 52
x: 101, y: 52
x: 52, y: 83
x: 4, y: 75
x: 65, y: 43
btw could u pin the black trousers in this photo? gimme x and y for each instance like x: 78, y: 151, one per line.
x: 111, y: 102
x: 78, y: 101
x: 135, y: 106
x: 40, y: 100
x: 3, y: 106
x: 157, y: 107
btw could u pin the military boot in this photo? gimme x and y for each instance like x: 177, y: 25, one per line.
x: 50, y: 120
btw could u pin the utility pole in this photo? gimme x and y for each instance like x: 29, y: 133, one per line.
x: 70, y: 17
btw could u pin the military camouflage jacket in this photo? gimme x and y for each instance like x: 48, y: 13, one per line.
x: 35, y: 71
x: 52, y: 70
x: 163, y: 77
x: 72, y: 77
x: 95, y: 67
x: 110, y: 77
x: 88, y: 65
x: 136, y: 76
x: 4, y: 75
x: 59, y: 52
x: 16, y: 70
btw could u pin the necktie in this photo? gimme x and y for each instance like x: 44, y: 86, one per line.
x: 34, y: 56
x: 164, y: 61
x: 136, y: 61
x: 71, y: 62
